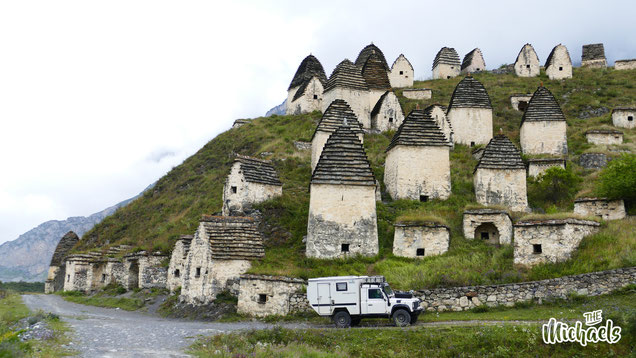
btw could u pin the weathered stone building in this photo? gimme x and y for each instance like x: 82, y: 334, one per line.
x: 446, y: 64
x: 559, y: 64
x: 402, y: 73
x: 220, y: 252
x: 420, y: 239
x: 438, y: 113
x: 306, y: 88
x: 473, y: 62
x: 594, y: 160
x: 519, y: 101
x: 57, y: 268
x: 417, y: 162
x: 625, y: 64
x: 417, y: 93
x: 366, y: 52
x: 177, y: 262
x: 346, y: 83
x: 624, y: 117
x: 250, y: 181
x: 261, y: 295
x: 376, y: 76
x: 387, y: 113
x: 538, y: 166
x: 492, y: 226
x: 79, y: 272
x: 342, y: 215
x: 543, y: 126
x: 500, y: 176
x: 334, y: 116
x: 527, y: 62
x: 593, y: 56
x: 538, y: 241
x: 604, y: 136
x: 470, y: 113
x: 600, y: 207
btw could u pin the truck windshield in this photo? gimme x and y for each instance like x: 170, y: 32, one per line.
x: 387, y: 290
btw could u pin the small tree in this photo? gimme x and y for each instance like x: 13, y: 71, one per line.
x: 556, y: 185
x: 618, y: 179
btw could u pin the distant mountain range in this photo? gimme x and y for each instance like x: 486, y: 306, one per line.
x: 27, y: 258
x: 278, y: 110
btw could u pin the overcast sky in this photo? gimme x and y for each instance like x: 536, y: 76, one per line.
x: 98, y: 99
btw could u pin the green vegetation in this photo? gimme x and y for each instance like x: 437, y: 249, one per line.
x: 556, y: 185
x: 174, y: 206
x: 618, y: 179
x: 23, y: 287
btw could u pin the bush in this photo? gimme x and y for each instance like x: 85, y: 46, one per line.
x: 556, y: 186
x: 618, y: 179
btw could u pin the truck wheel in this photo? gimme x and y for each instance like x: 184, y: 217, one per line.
x: 401, y: 317
x: 342, y: 319
x: 355, y: 322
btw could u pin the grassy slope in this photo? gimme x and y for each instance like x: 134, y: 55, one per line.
x: 174, y: 206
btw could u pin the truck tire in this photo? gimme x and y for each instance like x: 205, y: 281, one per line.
x: 401, y: 317
x: 355, y: 321
x: 342, y: 319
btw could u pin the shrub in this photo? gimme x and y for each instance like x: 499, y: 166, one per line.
x: 618, y: 179
x: 556, y: 186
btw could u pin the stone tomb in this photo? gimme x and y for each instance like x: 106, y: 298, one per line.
x: 375, y: 74
x: 543, y: 126
x: 538, y: 241
x: 492, y: 226
x: 625, y: 64
x: 402, y: 73
x: 250, y: 181
x: 527, y: 62
x: 417, y: 93
x: 438, y: 113
x: 600, y: 207
x: 593, y: 56
x: 559, y: 64
x: 306, y: 88
x: 604, y: 136
x: 473, y: 62
x: 420, y: 239
x: 346, y: 83
x: 177, y: 262
x: 261, y: 295
x: 519, y: 101
x: 387, y: 113
x: 470, y: 113
x: 446, y: 64
x: 538, y: 166
x: 624, y: 117
x: 57, y: 268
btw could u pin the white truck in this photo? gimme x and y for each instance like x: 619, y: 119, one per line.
x: 349, y: 299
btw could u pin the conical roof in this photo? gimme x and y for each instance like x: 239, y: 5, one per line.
x: 258, y: 170
x: 531, y: 53
x: 63, y: 247
x: 468, y: 59
x: 309, y: 67
x: 500, y: 153
x: 542, y: 107
x: 375, y: 73
x: 343, y: 161
x: 470, y: 93
x: 366, y: 52
x: 448, y: 56
x: 335, y: 115
x: 548, y: 62
x: 419, y: 129
x: 346, y: 74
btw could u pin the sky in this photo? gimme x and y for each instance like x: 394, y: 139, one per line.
x: 99, y: 99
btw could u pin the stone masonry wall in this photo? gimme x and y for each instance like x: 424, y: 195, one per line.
x: 621, y: 118
x: 544, y: 137
x: 262, y: 296
x: 471, y: 126
x: 515, y: 99
x: 445, y: 71
x: 418, y: 93
x: 603, y: 208
x: 561, y: 65
x: 358, y: 100
x: 625, y: 65
x: 604, y: 138
x: 537, y: 167
x: 501, y: 187
x: 401, y: 74
x: 247, y: 193
x: 152, y: 272
x: 389, y: 110
x: 310, y: 101
x: 473, y: 219
x: 431, y: 238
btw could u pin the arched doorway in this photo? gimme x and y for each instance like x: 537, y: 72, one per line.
x: 488, y: 233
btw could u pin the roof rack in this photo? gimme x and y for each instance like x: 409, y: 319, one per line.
x: 374, y: 279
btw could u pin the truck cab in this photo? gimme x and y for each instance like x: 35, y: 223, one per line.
x: 349, y: 299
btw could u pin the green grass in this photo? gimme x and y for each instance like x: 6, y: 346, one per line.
x: 103, y: 300
x: 33, y: 287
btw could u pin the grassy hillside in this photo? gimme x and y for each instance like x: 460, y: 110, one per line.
x: 176, y: 203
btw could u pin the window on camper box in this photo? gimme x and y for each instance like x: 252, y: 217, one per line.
x: 375, y: 293
x: 341, y: 286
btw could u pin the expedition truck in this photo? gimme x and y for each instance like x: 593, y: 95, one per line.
x: 349, y: 299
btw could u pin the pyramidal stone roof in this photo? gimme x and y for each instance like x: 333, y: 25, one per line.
x: 63, y: 247
x: 366, y: 52
x: 375, y: 74
x: 343, y: 161
x: 542, y: 107
x: 347, y: 75
x: 309, y: 67
x: 448, y: 56
x: 548, y: 62
x: 234, y: 237
x: 500, y: 153
x: 468, y: 59
x: 523, y: 48
x: 335, y: 115
x: 470, y: 93
x: 258, y: 170
x: 419, y: 129
x: 593, y: 52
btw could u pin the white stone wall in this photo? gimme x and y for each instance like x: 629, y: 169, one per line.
x: 433, y: 238
x: 561, y: 66
x: 310, y: 101
x: 277, y: 295
x: 476, y: 65
x: 152, y: 271
x: 55, y: 279
x: 621, y: 118
x: 418, y: 93
x: 342, y: 214
x: 439, y: 115
x: 247, y: 193
x: 318, y: 143
x: 374, y: 97
x: 401, y: 74
x: 603, y: 208
x: 445, y: 71
x: 471, y: 126
x: 411, y: 171
x: 77, y: 276
x: 602, y: 63
x: 358, y: 100
x: 501, y: 221
x: 177, y: 262
x: 625, y: 65
x: 390, y: 115
x: 604, y: 138
x: 505, y: 187
x: 515, y: 99
x: 527, y: 64
x: 115, y: 272
x: 544, y: 137
x: 536, y: 168
x: 557, y: 241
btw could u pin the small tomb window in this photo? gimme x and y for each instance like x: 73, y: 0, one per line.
x: 560, y: 68
x: 344, y: 248
x: 390, y: 119
x: 315, y: 96
x: 485, y: 236
x: 103, y: 277
x: 401, y: 72
x: 472, y: 144
x: 447, y: 77
x: 262, y: 298
x: 177, y: 273
x: 233, y: 190
x: 527, y: 66
x: 630, y: 118
x: 419, y: 252
x: 341, y: 286
x: 198, y: 273
x: 423, y: 198
x: 536, y: 249
x: 68, y: 278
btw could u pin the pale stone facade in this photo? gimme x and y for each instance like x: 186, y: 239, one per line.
x: 536, y: 167
x: 418, y: 240
x: 262, y: 296
x: 593, y: 56
x: 473, y: 62
x: 402, y: 73
x: 79, y: 273
x: 604, y: 136
x: 625, y: 64
x: 177, y: 262
x: 306, y: 98
x: 250, y: 181
x: 446, y: 71
x: 387, y: 113
x: 624, y: 117
x: 527, y: 63
x: 438, y: 113
x: 415, y: 172
x: 57, y: 268
x: 346, y: 83
x: 541, y: 241
x: 600, y: 207
x: 559, y: 64
x: 470, y: 113
x: 520, y: 102
x: 446, y: 64
x: 544, y: 137
x: 418, y: 93
x: 489, y: 225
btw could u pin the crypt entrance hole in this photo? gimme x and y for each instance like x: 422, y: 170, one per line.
x: 488, y: 233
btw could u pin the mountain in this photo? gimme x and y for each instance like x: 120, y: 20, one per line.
x: 27, y: 258
x: 278, y: 110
